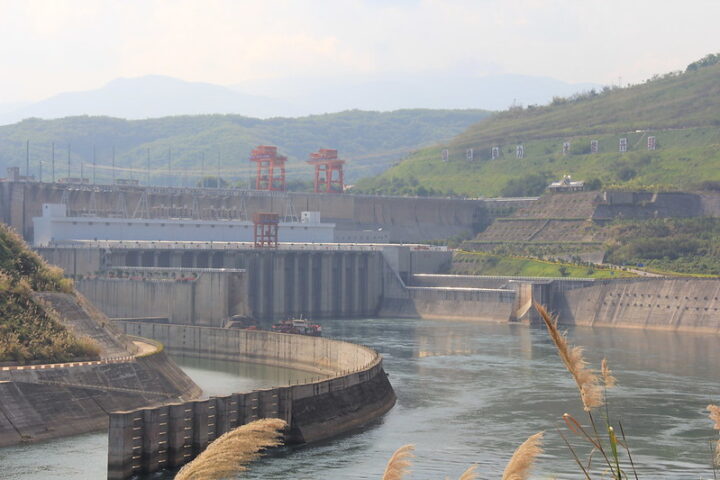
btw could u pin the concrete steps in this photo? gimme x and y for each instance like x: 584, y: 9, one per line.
x: 90, y: 324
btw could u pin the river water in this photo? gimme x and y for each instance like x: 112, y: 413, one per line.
x: 469, y: 393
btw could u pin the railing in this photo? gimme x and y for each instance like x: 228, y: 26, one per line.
x: 191, y: 245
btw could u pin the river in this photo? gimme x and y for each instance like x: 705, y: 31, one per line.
x: 469, y: 393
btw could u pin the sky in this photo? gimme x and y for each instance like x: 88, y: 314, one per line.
x: 53, y: 46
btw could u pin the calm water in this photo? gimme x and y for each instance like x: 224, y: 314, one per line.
x: 469, y: 393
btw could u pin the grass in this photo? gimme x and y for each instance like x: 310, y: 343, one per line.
x: 680, y: 110
x: 481, y: 263
x: 30, y: 331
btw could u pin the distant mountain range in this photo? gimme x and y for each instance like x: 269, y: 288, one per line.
x: 159, y: 96
x: 178, y: 150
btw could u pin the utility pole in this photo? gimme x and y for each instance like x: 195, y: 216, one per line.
x: 217, y: 178
x: 53, y: 162
x: 94, y: 164
x: 68, y: 175
x: 82, y: 171
x: 113, y: 164
x: 27, y: 159
x: 40, y: 170
x: 148, y: 166
x: 169, y: 168
x: 202, y: 172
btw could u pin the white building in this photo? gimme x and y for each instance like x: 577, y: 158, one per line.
x: 567, y: 184
x: 54, y: 226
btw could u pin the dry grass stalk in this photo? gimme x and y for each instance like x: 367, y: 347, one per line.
x: 518, y: 468
x: 397, y: 466
x: 230, y: 453
x: 607, y: 375
x: 715, y: 417
x: 572, y: 357
x: 469, y: 474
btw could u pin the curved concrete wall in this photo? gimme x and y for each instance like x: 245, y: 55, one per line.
x: 356, y: 392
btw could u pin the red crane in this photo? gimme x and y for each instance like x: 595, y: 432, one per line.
x: 270, y: 168
x: 328, y: 171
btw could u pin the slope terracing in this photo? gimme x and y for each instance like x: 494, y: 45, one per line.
x: 567, y: 224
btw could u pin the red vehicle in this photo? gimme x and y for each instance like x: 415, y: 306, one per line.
x: 298, y: 326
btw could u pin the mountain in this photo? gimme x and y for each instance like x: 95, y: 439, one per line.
x: 681, y: 110
x: 430, y: 90
x: 148, y: 97
x: 179, y: 147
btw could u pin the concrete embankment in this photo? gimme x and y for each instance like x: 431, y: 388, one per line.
x: 684, y: 304
x: 42, y: 403
x: 39, y: 402
x: 356, y: 392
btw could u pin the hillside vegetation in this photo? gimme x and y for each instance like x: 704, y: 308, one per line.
x: 683, y: 245
x: 28, y: 330
x: 481, y: 263
x: 370, y: 141
x: 682, y: 110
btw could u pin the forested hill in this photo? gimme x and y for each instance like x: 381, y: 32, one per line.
x: 370, y: 141
x: 680, y: 109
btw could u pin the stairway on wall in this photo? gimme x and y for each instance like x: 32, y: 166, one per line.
x: 79, y: 315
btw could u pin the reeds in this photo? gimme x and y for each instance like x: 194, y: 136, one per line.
x: 399, y: 464
x: 469, y: 474
x: 233, y: 451
x: 588, y: 383
x: 518, y: 468
x: 715, y: 417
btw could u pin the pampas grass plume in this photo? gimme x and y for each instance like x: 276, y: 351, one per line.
x: 231, y: 452
x: 518, y: 468
x: 607, y: 375
x: 469, y: 474
x: 572, y: 357
x: 715, y: 417
x: 397, y: 466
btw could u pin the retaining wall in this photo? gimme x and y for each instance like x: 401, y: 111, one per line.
x: 686, y: 304
x: 42, y: 403
x: 357, y: 392
x: 195, y: 297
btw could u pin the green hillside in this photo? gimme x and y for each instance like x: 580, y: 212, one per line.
x: 370, y: 141
x: 28, y: 330
x: 682, y: 110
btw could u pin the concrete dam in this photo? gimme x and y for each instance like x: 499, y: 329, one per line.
x: 401, y: 219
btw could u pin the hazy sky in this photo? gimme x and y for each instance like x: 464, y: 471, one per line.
x: 47, y: 47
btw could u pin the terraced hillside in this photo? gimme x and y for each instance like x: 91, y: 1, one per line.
x: 680, y: 109
x: 568, y: 225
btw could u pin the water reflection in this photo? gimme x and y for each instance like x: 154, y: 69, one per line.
x: 470, y: 393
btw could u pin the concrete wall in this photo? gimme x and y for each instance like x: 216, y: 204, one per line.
x: 314, y: 283
x: 493, y: 305
x: 668, y: 304
x: 406, y: 219
x: 41, y: 404
x: 184, y: 296
x: 168, y: 436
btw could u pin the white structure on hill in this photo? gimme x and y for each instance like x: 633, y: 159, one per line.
x: 567, y: 185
